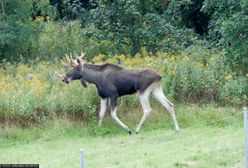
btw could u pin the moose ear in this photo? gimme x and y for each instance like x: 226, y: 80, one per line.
x: 80, y: 61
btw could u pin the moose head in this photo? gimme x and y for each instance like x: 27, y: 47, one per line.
x: 76, y: 69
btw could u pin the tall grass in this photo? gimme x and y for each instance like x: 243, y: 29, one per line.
x: 31, y: 94
x: 188, y: 116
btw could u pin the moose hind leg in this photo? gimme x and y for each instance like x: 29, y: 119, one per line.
x: 103, y: 109
x: 159, y: 95
x: 144, y: 101
x: 113, y: 107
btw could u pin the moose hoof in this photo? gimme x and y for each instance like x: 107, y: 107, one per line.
x: 137, y: 130
x: 129, y: 131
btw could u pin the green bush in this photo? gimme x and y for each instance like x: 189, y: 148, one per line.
x: 31, y: 94
x: 235, y: 91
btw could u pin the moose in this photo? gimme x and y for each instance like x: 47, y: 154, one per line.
x: 113, y: 81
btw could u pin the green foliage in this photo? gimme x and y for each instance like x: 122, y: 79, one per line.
x: 15, y: 28
x: 188, y: 115
x: 32, y: 95
x: 206, y: 50
x: 42, y: 30
x: 228, y: 28
x: 56, y: 40
x: 47, y: 29
x: 131, y: 25
x: 235, y: 91
x: 95, y: 130
x: 35, y: 96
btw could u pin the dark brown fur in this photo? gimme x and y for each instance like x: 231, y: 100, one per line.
x: 113, y: 81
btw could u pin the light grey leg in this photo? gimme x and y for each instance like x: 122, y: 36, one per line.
x: 103, y: 109
x: 159, y: 95
x: 113, y: 107
x: 144, y: 101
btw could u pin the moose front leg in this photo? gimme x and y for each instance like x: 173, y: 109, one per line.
x: 113, y: 107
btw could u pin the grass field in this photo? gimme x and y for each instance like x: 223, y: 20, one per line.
x: 210, y: 137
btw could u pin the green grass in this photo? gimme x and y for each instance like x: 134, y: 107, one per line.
x: 201, y: 142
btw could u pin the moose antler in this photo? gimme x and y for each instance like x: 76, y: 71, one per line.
x: 58, y: 75
x: 70, y: 61
x: 65, y: 64
x: 81, y: 55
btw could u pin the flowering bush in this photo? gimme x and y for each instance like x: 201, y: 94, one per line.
x: 31, y: 94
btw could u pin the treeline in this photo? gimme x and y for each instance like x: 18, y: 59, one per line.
x: 47, y: 29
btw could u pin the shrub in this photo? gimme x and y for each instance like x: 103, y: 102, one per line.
x: 235, y: 91
x: 31, y: 94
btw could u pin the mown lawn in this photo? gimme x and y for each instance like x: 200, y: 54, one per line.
x: 211, y: 137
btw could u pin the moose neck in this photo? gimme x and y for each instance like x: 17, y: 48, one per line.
x: 91, y: 74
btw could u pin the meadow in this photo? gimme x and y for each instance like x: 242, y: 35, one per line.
x: 210, y: 136
x: 198, y: 47
x: 45, y: 121
x: 31, y: 94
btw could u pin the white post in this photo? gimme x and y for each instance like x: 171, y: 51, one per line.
x: 81, y: 158
x: 246, y: 137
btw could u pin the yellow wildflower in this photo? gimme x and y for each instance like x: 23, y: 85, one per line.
x: 228, y: 77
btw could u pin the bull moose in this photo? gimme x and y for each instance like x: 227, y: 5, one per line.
x: 113, y: 81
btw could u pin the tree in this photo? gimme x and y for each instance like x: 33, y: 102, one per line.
x: 229, y: 29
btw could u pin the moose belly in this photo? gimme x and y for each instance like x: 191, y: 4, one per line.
x: 126, y: 91
x: 126, y: 88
